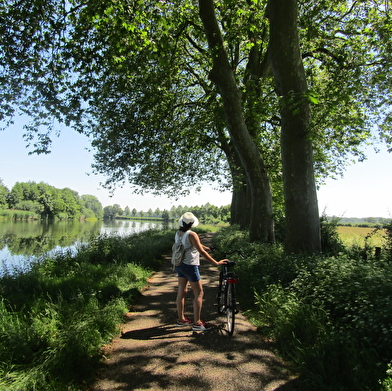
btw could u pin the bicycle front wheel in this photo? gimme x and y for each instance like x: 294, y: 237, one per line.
x: 230, y: 308
x: 221, y: 296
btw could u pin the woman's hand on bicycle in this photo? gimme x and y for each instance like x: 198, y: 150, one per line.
x: 222, y: 262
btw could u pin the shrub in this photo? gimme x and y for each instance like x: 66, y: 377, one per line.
x: 388, y: 242
x: 331, y: 244
x: 330, y: 316
x: 55, y: 318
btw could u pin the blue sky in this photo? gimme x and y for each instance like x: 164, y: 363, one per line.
x: 365, y: 190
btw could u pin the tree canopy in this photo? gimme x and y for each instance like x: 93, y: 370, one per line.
x: 49, y: 202
x: 141, y: 78
x: 127, y: 65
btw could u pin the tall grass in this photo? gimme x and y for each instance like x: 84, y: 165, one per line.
x: 55, y: 318
x: 11, y: 214
x: 330, y: 316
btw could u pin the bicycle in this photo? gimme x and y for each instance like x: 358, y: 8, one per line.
x: 226, y: 297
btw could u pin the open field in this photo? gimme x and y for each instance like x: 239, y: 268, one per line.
x: 357, y: 235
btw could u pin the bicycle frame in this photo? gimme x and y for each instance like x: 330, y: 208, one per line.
x: 227, y: 295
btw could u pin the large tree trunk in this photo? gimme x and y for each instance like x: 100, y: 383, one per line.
x: 241, y: 206
x: 302, y: 216
x: 241, y: 200
x: 261, y: 224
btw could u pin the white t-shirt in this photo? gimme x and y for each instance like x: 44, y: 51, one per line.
x: 192, y: 256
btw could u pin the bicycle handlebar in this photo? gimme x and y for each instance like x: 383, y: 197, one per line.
x: 229, y: 263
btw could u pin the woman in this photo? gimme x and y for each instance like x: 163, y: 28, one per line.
x: 189, y: 271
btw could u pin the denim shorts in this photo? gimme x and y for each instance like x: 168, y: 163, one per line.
x: 190, y: 272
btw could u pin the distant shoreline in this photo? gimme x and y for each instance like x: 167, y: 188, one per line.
x: 138, y: 218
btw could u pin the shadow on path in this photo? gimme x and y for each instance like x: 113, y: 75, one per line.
x: 152, y: 353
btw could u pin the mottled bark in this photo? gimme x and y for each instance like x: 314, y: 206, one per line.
x: 241, y: 206
x: 302, y: 216
x: 261, y: 223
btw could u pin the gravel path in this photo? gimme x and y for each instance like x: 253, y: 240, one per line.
x: 153, y: 354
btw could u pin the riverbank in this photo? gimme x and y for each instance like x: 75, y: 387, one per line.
x: 55, y: 318
x: 329, y: 315
x: 23, y: 241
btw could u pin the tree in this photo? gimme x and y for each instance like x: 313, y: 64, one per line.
x: 117, y: 211
x: 50, y: 202
x: 92, y: 202
x: 35, y: 193
x: 189, y: 145
x: 108, y: 212
x: 165, y: 216
x: 302, y: 216
x: 261, y: 223
x: 70, y: 203
x: 4, y: 192
x: 136, y: 78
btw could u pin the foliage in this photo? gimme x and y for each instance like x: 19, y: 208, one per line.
x: 330, y: 316
x: 207, y: 214
x: 18, y: 214
x: 55, y: 318
x: 3, y: 195
x: 388, y: 245
x: 110, y: 212
x: 375, y: 222
x: 137, y: 79
x: 331, y: 243
x: 49, y: 202
x: 91, y: 203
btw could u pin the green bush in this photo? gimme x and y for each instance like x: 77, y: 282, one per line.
x: 330, y: 316
x: 261, y: 264
x: 331, y: 244
x: 388, y: 242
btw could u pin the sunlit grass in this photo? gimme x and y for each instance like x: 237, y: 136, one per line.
x: 210, y: 227
x: 357, y: 236
x: 55, y: 318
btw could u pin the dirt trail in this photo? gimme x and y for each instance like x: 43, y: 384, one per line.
x: 153, y: 354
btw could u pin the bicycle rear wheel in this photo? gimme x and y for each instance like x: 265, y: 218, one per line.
x: 230, y: 308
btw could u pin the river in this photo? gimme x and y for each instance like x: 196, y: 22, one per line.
x: 22, y: 241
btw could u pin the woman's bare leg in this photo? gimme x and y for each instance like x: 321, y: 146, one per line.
x: 198, y: 292
x: 182, y: 289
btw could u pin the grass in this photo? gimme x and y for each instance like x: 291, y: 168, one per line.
x: 330, y: 316
x: 358, y: 235
x: 11, y: 214
x: 55, y: 318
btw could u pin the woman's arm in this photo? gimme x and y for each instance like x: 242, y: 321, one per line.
x: 195, y: 241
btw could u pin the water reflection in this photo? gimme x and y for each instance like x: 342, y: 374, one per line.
x: 127, y: 227
x: 36, y: 238
x: 22, y: 240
